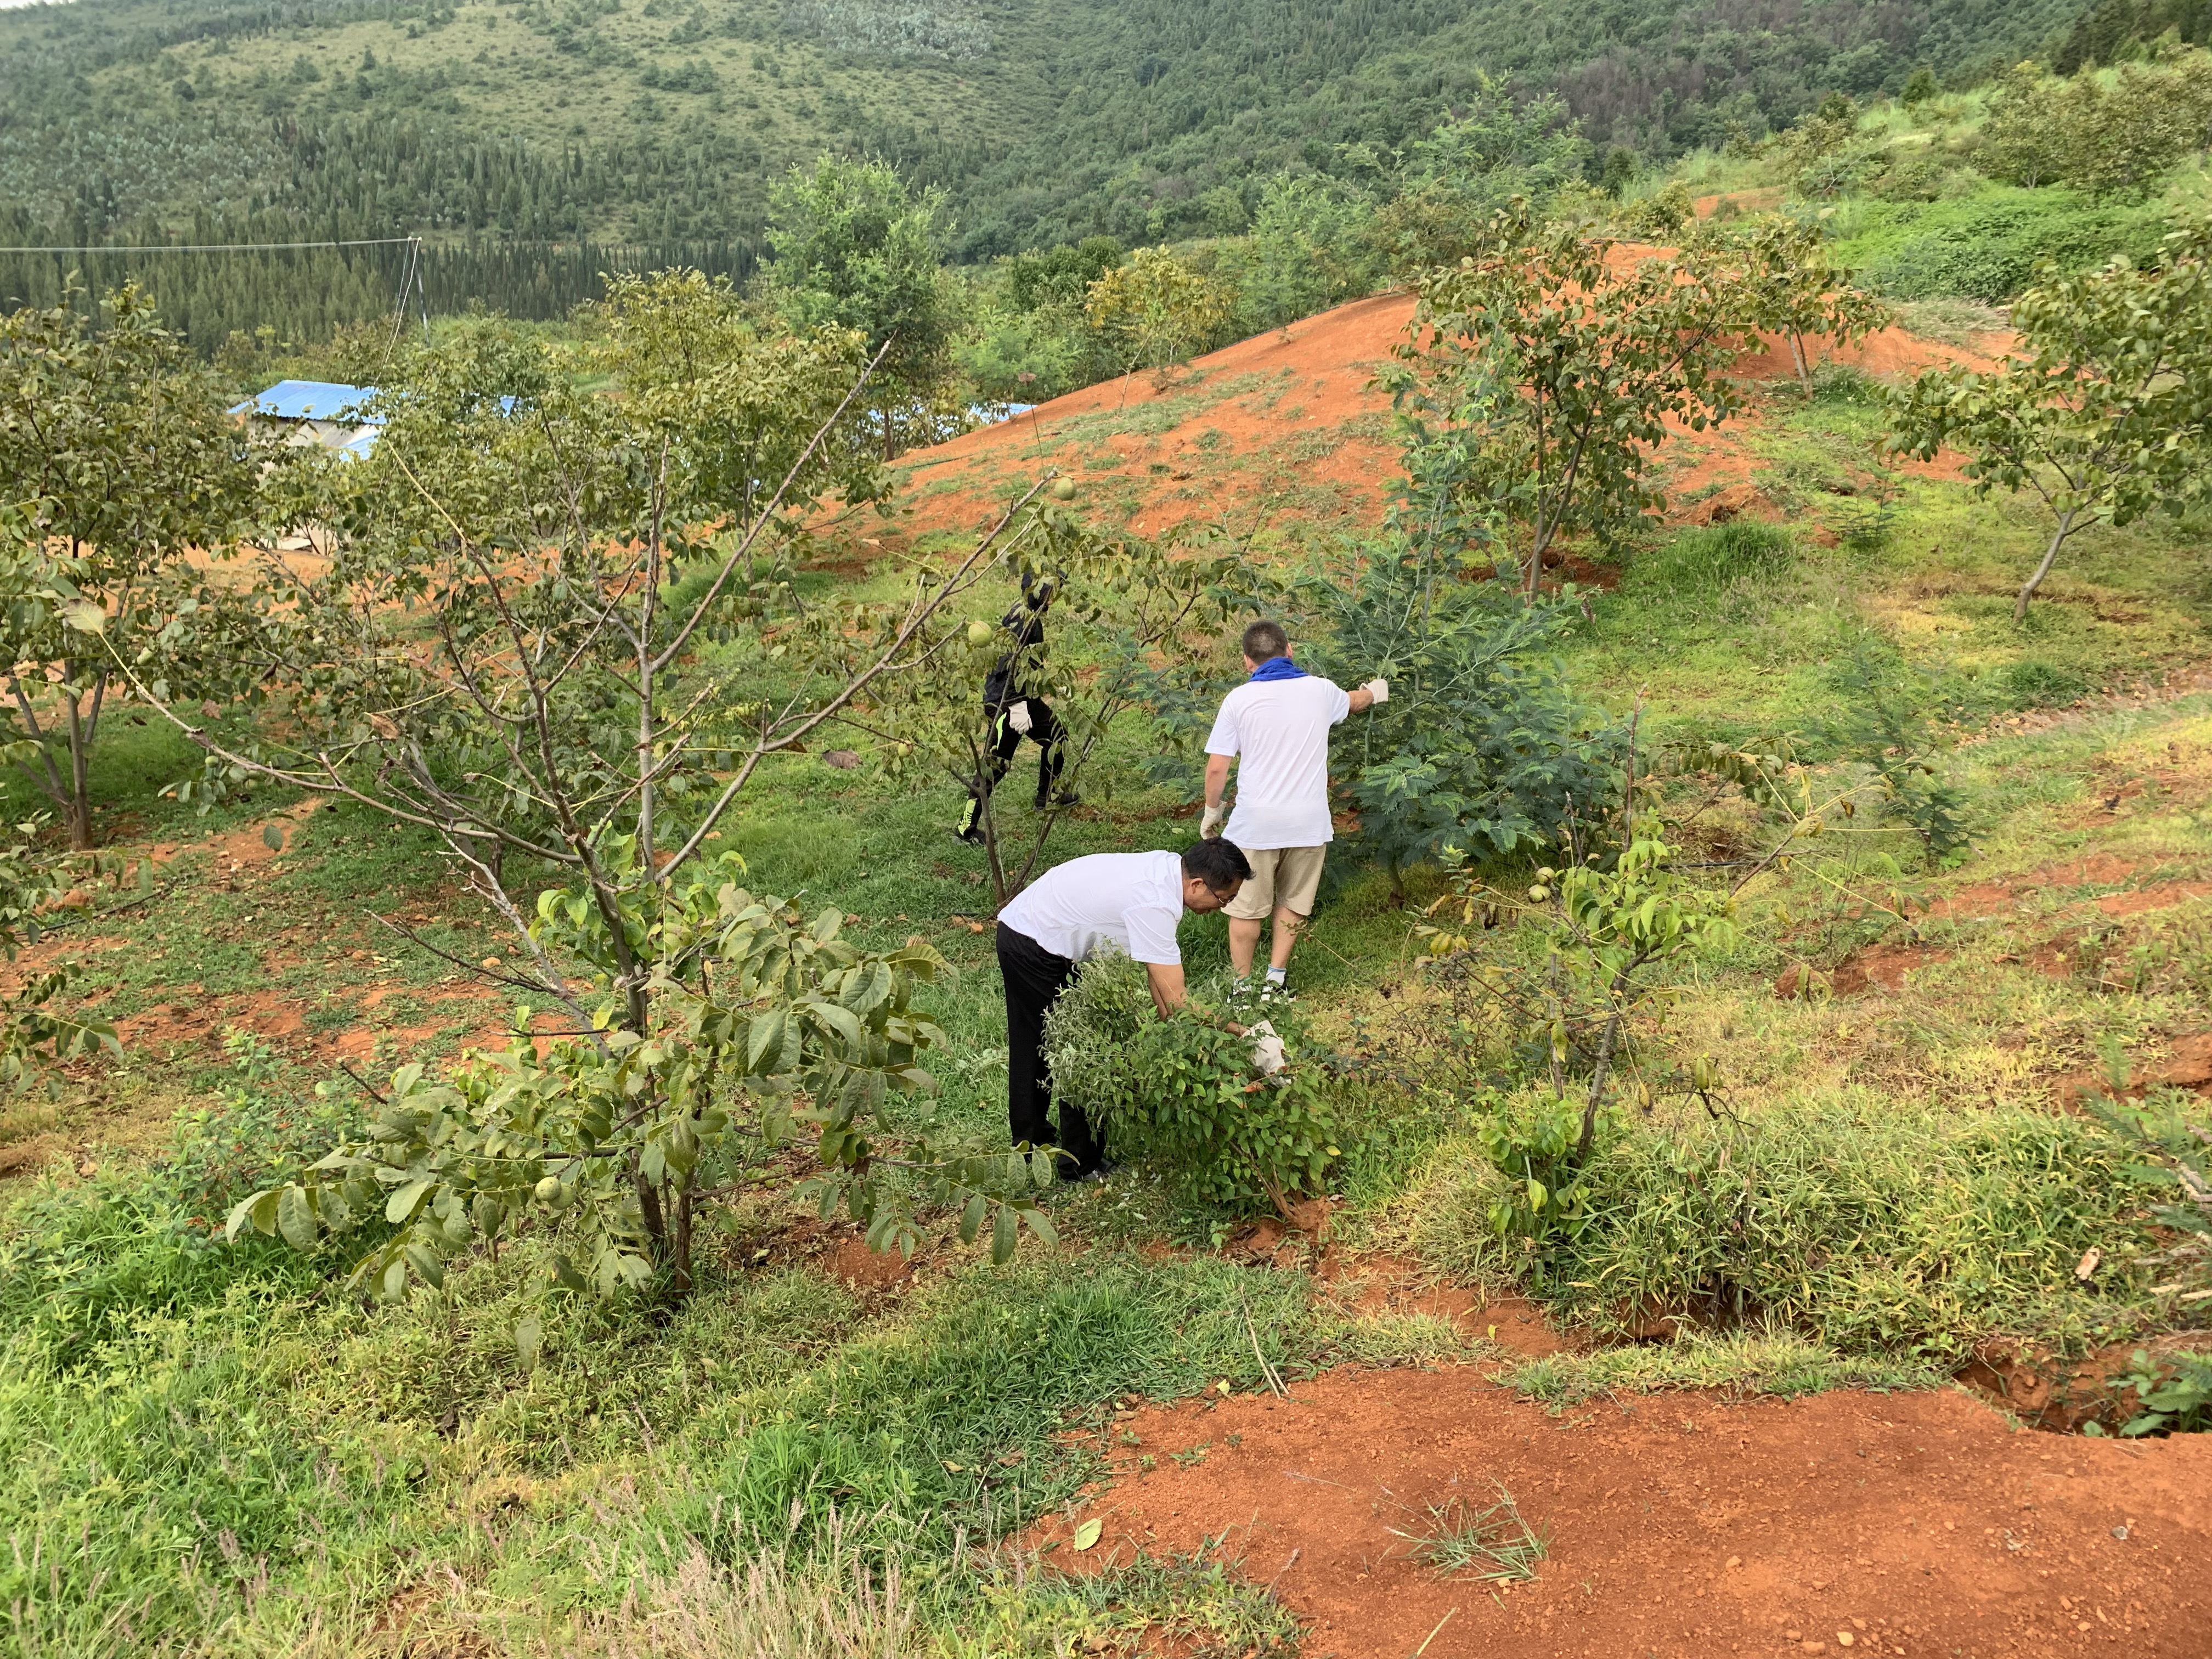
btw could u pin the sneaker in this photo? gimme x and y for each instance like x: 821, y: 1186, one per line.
x: 1090, y: 1174
x: 1064, y: 799
x: 1271, y: 992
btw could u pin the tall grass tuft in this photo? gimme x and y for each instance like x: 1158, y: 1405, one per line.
x: 1890, y: 1230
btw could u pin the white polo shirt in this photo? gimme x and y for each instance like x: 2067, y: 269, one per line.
x: 1131, y: 900
x: 1278, y: 730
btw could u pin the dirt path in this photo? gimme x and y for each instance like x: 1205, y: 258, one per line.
x: 1678, y: 1524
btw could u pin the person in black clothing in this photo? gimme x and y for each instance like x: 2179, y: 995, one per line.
x: 1015, y: 713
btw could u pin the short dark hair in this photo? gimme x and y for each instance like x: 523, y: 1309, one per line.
x: 1221, y: 865
x: 1264, y: 640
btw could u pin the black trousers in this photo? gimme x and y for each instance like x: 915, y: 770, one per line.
x: 1045, y: 731
x: 1035, y: 978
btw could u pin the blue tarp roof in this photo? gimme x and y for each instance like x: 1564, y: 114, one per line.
x: 308, y: 400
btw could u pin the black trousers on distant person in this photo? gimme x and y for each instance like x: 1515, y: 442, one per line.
x: 1050, y: 737
x: 1035, y: 978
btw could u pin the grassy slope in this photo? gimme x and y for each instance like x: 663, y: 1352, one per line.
x: 183, y: 1426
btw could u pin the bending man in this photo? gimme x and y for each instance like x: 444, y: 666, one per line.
x: 1274, y: 728
x: 1129, y: 902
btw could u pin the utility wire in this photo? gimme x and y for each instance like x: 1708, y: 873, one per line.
x: 214, y: 247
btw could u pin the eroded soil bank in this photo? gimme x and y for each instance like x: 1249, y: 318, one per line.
x: 1677, y: 1523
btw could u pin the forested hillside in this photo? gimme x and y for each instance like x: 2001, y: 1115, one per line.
x: 1044, y: 120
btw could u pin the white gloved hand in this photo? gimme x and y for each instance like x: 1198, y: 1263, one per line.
x: 1209, y: 821
x: 1379, y: 689
x: 1267, y: 1049
x: 1018, y: 716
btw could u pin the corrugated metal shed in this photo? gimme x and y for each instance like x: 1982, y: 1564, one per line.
x: 308, y: 400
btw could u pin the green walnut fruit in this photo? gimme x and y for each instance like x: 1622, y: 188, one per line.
x: 1539, y: 895
x: 548, y: 1189
x: 1063, y: 490
x: 979, y: 633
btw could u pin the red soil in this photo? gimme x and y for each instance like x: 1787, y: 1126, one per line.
x: 1678, y: 1524
x: 1309, y: 380
x: 1288, y: 425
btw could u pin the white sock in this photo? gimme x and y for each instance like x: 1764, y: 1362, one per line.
x: 1277, y: 976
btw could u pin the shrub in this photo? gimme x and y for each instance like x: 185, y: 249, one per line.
x: 1880, y: 715
x: 2174, y: 1393
x: 1482, y: 743
x: 1987, y: 247
x: 1917, y: 1231
x: 1181, y: 1095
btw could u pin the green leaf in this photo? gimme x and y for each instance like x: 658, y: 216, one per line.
x: 1087, y: 1536
x: 400, y: 1207
x: 840, y: 1020
x: 294, y: 1220
x: 1002, y: 1237
x: 425, y: 1262
x: 765, y: 1038
x: 971, y: 1217
x: 529, y: 1339
x: 257, y: 1211
x: 272, y: 838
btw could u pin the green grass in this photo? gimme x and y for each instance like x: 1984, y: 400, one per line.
x: 1875, y: 1223
x: 1987, y: 245
x: 209, y: 1448
x: 1773, y: 1360
x: 1493, y: 1544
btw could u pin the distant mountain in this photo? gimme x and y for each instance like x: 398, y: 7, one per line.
x: 1042, y: 120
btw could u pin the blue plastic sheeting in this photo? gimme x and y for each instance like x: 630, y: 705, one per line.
x: 992, y: 414
x: 308, y: 400
x: 360, y: 446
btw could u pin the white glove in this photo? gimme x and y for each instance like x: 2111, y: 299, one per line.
x: 1018, y: 716
x: 1379, y: 689
x: 1267, y: 1049
x: 1209, y: 823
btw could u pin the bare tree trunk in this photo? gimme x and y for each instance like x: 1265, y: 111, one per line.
x: 680, y: 1241
x: 646, y: 759
x: 78, y: 810
x: 1604, y: 1064
x: 55, y: 788
x: 648, y: 1203
x: 2049, y: 557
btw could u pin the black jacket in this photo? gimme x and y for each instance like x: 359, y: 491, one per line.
x: 1022, y: 665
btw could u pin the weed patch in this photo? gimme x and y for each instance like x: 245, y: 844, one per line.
x: 1907, y: 1230
x: 1493, y: 1544
x: 1771, y: 1360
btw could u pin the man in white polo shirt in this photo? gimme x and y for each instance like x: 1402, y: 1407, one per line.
x: 1274, y: 729
x: 1129, y: 902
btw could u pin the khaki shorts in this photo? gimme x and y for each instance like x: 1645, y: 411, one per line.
x: 1283, y: 878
